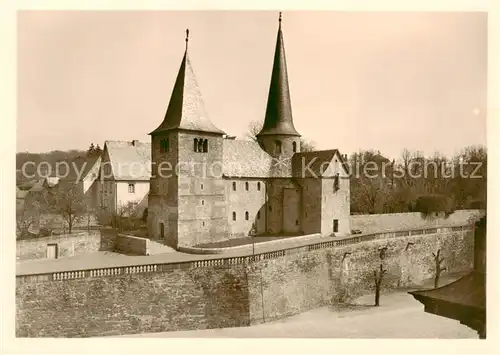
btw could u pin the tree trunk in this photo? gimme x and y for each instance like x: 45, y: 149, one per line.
x: 377, y: 296
x: 436, y: 279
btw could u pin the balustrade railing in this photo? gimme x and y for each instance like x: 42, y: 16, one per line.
x: 228, y: 261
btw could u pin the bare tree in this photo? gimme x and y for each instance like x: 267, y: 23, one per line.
x: 25, y: 221
x: 126, y: 217
x: 69, y: 203
x: 378, y: 276
x: 439, y: 269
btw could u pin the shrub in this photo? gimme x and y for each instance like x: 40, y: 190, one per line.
x: 431, y: 204
x: 476, y: 205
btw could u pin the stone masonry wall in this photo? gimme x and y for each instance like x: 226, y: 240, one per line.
x: 296, y: 283
x: 372, y: 223
x: 188, y: 297
x: 127, y: 304
x: 68, y: 245
x: 132, y: 245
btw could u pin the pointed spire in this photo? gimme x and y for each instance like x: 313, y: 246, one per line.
x: 186, y: 109
x: 278, y: 119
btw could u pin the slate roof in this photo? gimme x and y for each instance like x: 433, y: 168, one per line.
x: 242, y: 158
x: 316, y: 161
x: 129, y: 161
x: 278, y: 119
x: 186, y: 109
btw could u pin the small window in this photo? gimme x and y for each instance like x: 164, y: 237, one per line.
x: 294, y: 147
x: 270, y: 208
x: 205, y: 146
x: 336, y: 183
x: 258, y: 215
x: 278, y: 147
x: 296, y: 222
x: 131, y: 188
x: 258, y: 186
x: 202, y: 186
x: 234, y: 186
x: 202, y: 202
x: 335, y: 225
x: 246, y: 216
x: 203, y: 224
x: 234, y: 216
x: 200, y: 145
x: 164, y: 145
x: 246, y: 185
x: 195, y: 146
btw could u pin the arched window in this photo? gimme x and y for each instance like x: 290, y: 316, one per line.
x: 200, y: 145
x: 164, y: 145
x: 258, y: 215
x: 195, y: 148
x: 234, y: 216
x: 246, y: 185
x: 234, y: 186
x: 258, y: 186
x: 205, y: 146
x: 246, y: 216
x: 294, y: 146
x: 336, y: 183
x: 278, y: 147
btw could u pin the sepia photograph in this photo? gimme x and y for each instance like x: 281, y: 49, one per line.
x: 251, y: 174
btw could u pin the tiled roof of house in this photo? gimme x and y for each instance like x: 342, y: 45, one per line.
x: 79, y: 168
x: 38, y: 186
x: 129, y: 160
x: 21, y: 194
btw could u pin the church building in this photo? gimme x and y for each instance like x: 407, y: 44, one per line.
x: 206, y: 186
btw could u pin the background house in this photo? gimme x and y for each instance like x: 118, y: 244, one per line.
x: 123, y: 177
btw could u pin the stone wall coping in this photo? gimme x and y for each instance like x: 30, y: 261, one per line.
x: 157, y: 263
x: 250, y: 246
x: 51, y: 238
x: 358, y: 216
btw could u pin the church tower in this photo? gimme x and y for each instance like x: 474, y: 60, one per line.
x: 187, y: 198
x: 278, y: 135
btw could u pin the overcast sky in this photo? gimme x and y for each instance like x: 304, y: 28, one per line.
x: 383, y: 81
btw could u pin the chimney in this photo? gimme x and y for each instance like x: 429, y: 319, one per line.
x: 135, y: 142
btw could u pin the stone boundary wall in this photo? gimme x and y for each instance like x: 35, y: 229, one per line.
x: 129, y: 244
x: 67, y: 244
x: 231, y: 291
x: 373, y: 223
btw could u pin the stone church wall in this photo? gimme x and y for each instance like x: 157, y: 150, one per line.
x: 242, y: 201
